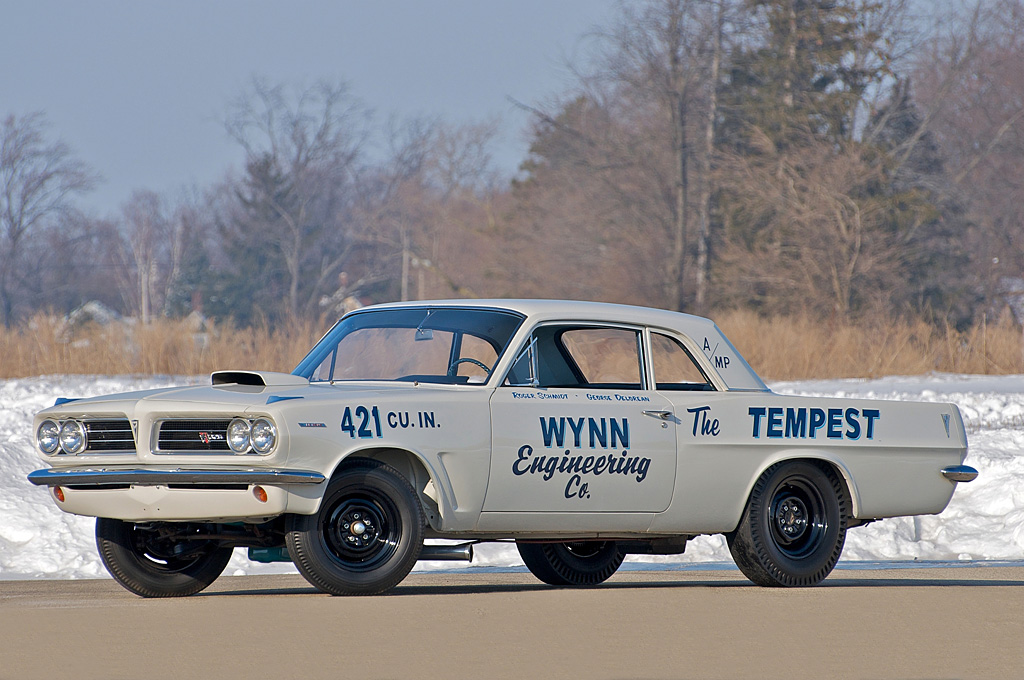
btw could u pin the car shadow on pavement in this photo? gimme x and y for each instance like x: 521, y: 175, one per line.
x: 918, y: 583
x: 492, y: 588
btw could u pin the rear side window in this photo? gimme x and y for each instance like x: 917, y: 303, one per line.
x: 606, y: 357
x: 674, y: 368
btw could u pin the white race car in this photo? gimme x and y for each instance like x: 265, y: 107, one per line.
x: 582, y: 431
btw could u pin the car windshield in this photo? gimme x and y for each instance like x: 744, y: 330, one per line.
x: 437, y: 344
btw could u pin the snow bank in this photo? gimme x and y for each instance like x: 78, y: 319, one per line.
x: 985, y: 520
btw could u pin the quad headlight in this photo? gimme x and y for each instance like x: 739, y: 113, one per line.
x: 263, y: 435
x: 259, y: 435
x: 48, y: 437
x: 239, y: 432
x: 72, y: 437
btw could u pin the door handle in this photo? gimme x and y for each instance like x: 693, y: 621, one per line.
x: 664, y: 415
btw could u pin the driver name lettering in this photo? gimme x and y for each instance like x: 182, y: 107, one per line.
x: 540, y: 395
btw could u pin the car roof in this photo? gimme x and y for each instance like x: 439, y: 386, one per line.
x: 541, y: 310
x: 733, y: 369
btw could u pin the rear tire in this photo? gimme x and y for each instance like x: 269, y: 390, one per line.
x: 151, y: 565
x: 578, y: 563
x: 794, y: 526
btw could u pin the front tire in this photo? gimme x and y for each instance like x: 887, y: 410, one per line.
x: 152, y: 563
x: 579, y: 563
x: 365, y: 538
x: 794, y: 526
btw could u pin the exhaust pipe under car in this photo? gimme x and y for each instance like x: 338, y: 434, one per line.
x: 462, y: 551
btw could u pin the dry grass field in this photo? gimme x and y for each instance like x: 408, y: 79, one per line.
x: 801, y: 348
x: 777, y: 348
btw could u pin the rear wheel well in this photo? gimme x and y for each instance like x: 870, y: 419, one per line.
x: 793, y: 528
x: 833, y: 469
x: 828, y: 466
x: 412, y: 468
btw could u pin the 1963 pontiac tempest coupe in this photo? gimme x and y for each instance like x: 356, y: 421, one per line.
x: 583, y: 431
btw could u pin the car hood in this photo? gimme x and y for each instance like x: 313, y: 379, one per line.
x: 279, y: 388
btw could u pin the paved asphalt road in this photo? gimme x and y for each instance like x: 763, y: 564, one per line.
x: 963, y: 622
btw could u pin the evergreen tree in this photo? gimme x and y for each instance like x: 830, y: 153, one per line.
x: 925, y: 216
x: 255, y: 283
x: 804, y: 74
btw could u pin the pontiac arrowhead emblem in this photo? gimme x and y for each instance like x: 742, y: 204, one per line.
x: 945, y: 421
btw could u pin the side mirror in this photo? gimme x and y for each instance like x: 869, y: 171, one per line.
x: 422, y: 333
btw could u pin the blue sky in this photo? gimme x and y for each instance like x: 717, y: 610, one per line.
x: 139, y: 89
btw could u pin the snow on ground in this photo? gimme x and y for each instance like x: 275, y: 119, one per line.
x: 985, y: 520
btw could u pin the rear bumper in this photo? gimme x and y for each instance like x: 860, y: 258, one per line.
x: 960, y: 473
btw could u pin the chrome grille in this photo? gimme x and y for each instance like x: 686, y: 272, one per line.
x: 195, y: 436
x: 104, y: 436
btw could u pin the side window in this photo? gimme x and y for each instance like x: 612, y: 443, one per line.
x: 606, y: 357
x: 323, y: 372
x: 674, y: 368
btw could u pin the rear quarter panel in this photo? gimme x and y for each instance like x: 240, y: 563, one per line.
x: 889, y: 453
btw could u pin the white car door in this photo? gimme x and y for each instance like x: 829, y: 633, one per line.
x: 588, y: 435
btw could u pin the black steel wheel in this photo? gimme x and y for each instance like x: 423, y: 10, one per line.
x: 578, y: 563
x: 366, y: 536
x: 794, y: 526
x: 158, y: 560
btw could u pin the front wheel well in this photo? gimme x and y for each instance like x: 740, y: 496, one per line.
x: 412, y: 468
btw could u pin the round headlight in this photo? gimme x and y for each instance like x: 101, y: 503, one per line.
x: 238, y: 435
x: 72, y: 437
x: 264, y: 435
x: 48, y: 436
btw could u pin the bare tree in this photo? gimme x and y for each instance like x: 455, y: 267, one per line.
x: 459, y: 157
x: 311, y: 143
x: 823, y: 246
x: 153, y: 245
x: 426, y: 204
x: 144, y: 226
x: 639, y: 138
x: 969, y: 82
x: 718, y: 18
x: 654, y: 54
x: 38, y: 178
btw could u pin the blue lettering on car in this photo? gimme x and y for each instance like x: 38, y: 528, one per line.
x: 577, y: 433
x: 605, y: 432
x: 801, y: 423
x: 703, y: 422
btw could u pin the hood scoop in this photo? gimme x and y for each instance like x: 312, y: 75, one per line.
x: 257, y: 378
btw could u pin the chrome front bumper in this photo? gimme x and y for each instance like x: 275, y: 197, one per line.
x: 175, y: 495
x: 108, y: 476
